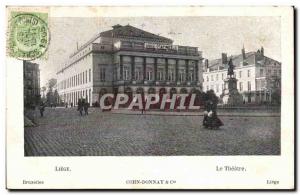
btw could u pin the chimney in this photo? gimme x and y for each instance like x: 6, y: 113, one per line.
x: 205, y: 65
x: 262, y: 51
x: 224, y: 58
x: 116, y: 26
x: 243, y: 53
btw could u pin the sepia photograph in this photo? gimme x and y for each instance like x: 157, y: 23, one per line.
x: 155, y: 86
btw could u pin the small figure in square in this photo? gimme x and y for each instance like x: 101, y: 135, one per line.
x: 42, y: 109
x: 80, y: 106
x: 86, y: 108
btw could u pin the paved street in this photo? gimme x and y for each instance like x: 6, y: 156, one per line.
x: 62, y: 132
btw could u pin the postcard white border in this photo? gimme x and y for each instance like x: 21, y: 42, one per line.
x: 190, y: 172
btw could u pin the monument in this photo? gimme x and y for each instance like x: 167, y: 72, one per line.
x: 230, y: 95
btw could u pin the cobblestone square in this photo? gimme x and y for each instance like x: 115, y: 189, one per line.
x: 62, y: 132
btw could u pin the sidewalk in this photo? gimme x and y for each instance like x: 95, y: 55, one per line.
x: 221, y: 112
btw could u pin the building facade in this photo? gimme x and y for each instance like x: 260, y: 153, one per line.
x: 129, y: 60
x: 259, y: 77
x: 31, y: 75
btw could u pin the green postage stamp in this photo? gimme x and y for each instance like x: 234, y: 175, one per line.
x: 28, y: 37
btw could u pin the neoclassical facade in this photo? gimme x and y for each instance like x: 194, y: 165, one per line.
x: 129, y: 60
x: 258, y: 76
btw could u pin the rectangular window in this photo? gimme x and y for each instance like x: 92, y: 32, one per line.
x: 217, y: 88
x: 191, y: 76
x: 207, y: 88
x: 249, y: 86
x: 83, y: 80
x: 86, y: 76
x: 138, y: 74
x: 249, y: 73
x: 89, y: 75
x: 222, y: 76
x: 240, y: 74
x: 261, y: 72
x: 102, y: 74
x: 241, y: 86
x: 207, y: 79
x: 171, y: 75
x: 181, y: 76
x: 149, y: 75
x: 126, y: 73
x: 160, y: 75
x: 212, y: 77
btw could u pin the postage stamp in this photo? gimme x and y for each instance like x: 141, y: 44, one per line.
x: 29, y: 36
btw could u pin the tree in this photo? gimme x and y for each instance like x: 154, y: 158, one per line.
x: 50, y: 95
x: 51, y: 83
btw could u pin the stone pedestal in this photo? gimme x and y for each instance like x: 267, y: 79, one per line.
x: 230, y: 95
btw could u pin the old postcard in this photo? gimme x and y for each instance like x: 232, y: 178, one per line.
x: 150, y: 97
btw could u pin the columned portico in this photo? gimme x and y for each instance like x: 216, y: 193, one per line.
x: 188, y: 69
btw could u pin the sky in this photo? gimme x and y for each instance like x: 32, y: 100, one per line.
x: 212, y: 35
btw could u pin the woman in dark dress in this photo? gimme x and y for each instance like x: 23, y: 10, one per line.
x: 211, y: 119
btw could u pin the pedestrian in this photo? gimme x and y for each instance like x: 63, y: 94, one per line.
x: 71, y: 104
x: 86, y: 108
x: 66, y: 104
x: 80, y: 106
x: 210, y: 119
x: 213, y: 121
x: 42, y: 109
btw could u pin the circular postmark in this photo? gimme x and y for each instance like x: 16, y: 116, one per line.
x: 28, y: 36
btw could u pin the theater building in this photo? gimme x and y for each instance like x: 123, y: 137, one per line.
x: 258, y: 76
x: 129, y: 60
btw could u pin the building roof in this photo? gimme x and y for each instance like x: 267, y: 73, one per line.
x: 238, y: 60
x: 129, y: 31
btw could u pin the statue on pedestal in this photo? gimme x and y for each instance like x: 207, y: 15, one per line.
x: 230, y: 94
x: 230, y: 71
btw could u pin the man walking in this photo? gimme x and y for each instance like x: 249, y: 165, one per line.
x: 86, y: 108
x: 80, y: 106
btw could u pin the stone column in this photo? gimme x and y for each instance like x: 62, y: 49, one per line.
x: 155, y: 69
x: 132, y: 67
x: 176, y: 71
x: 186, y: 70
x: 144, y: 68
x: 166, y: 69
x: 121, y: 67
x: 196, y: 70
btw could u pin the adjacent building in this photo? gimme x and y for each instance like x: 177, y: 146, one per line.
x: 31, y: 75
x: 129, y: 60
x: 259, y: 77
